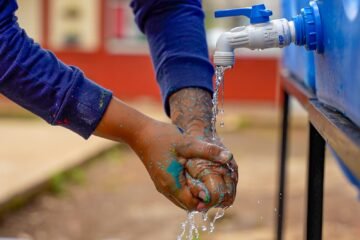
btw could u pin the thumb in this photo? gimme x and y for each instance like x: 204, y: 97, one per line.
x: 192, y: 148
x: 198, y: 188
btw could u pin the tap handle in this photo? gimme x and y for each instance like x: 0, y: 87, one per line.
x: 256, y: 13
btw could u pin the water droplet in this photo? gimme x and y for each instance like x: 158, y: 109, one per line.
x: 204, y: 216
x: 204, y: 228
x: 222, y: 124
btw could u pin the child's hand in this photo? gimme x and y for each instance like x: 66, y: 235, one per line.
x: 165, y: 151
x: 220, y: 181
x: 191, y: 109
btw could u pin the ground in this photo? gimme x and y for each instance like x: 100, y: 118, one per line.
x: 113, y: 198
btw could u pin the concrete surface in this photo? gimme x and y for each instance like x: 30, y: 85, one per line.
x: 117, y: 199
x: 32, y: 151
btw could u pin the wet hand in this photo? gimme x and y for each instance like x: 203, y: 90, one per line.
x: 219, y: 179
x: 165, y: 153
x: 162, y: 148
x: 191, y: 109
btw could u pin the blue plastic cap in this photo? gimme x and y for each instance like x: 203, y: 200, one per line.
x: 308, y: 27
x: 256, y: 13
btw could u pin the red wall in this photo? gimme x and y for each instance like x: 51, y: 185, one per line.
x: 252, y: 79
x: 129, y: 76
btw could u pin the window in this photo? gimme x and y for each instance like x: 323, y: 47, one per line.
x: 122, y: 34
x: 74, y: 25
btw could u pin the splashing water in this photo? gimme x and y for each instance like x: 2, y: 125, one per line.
x: 189, y: 224
x: 204, y: 218
x: 190, y: 228
x: 219, y: 83
x: 219, y: 214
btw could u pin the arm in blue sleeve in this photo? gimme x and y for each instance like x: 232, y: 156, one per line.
x: 176, y: 35
x: 35, y: 79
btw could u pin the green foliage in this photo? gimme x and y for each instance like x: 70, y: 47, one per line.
x: 76, y: 175
x: 17, y: 202
x: 59, y: 182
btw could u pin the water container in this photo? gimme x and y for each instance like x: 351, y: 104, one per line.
x: 338, y: 68
x: 298, y: 61
x: 336, y: 79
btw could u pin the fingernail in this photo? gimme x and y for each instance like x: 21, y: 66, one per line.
x: 226, y: 156
x: 205, y: 197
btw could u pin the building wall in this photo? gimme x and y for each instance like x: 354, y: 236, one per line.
x: 31, y: 16
x: 122, y: 63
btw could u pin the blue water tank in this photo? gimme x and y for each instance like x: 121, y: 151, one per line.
x: 336, y: 79
x: 338, y: 68
x: 298, y: 61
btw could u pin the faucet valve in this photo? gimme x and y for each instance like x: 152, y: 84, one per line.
x: 260, y: 34
x: 256, y: 13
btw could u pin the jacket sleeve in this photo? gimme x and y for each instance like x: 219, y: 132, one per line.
x: 176, y: 35
x: 38, y: 81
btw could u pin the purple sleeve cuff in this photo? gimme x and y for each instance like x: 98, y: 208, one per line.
x: 83, y: 107
x: 182, y: 73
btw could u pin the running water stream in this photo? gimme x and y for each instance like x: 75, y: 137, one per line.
x: 219, y: 84
x: 190, y: 228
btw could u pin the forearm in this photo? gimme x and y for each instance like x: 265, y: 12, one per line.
x: 191, y: 109
x: 122, y: 123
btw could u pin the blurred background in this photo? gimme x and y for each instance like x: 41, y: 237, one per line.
x: 54, y: 185
x: 101, y: 37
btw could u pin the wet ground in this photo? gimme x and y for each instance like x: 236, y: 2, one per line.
x: 113, y: 199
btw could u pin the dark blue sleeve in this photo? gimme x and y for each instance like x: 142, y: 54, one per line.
x: 35, y: 79
x: 176, y: 35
